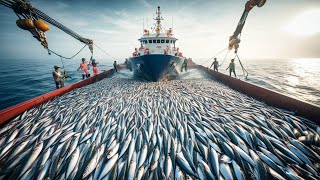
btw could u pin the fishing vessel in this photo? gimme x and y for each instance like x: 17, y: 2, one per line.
x: 232, y: 129
x: 157, y: 57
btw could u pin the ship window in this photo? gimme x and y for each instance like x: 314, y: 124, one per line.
x: 150, y: 41
x: 158, y: 41
x: 167, y: 41
x: 162, y: 40
x: 154, y: 41
x: 146, y: 42
x: 171, y: 41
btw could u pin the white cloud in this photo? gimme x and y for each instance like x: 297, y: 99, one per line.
x: 145, y: 3
x: 305, y: 23
x: 202, y: 27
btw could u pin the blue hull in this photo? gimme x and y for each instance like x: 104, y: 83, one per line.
x: 155, y: 67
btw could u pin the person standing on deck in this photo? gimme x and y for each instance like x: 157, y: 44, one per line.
x: 58, y: 77
x: 84, y: 69
x: 184, y: 65
x: 115, y: 66
x: 232, y: 67
x: 94, y: 65
x: 215, y: 65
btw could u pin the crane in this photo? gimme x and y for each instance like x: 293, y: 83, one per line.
x: 234, y: 40
x: 34, y: 21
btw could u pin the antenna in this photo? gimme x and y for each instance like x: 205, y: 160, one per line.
x: 172, y: 22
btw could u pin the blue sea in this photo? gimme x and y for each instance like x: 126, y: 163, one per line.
x: 23, y: 79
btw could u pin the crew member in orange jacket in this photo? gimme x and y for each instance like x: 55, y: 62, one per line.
x: 84, y: 69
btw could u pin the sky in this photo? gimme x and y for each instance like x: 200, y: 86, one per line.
x: 280, y: 29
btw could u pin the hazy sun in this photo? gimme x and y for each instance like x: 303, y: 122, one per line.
x: 305, y: 24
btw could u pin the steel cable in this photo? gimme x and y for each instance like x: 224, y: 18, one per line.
x: 104, y: 51
x: 67, y: 57
x: 224, y: 58
x: 6, y: 4
x: 215, y: 56
x: 60, y: 26
x: 245, y: 72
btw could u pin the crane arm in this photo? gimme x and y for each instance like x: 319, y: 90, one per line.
x: 234, y: 39
x: 28, y: 14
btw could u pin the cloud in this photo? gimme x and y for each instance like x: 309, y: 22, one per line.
x: 202, y: 27
x: 145, y: 3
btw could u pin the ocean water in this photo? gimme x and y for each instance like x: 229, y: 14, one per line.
x: 297, y: 78
x: 23, y: 79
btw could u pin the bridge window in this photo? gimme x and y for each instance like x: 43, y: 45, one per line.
x: 150, y: 41
x: 158, y: 41
x: 162, y: 40
x: 167, y: 41
x: 171, y: 41
x: 154, y: 41
x: 146, y: 42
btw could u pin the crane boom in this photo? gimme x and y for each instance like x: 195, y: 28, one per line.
x: 29, y: 16
x: 234, y: 39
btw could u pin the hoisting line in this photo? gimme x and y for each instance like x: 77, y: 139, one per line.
x: 215, y: 56
x: 49, y: 50
x: 104, y: 51
x: 245, y: 72
x: 225, y: 58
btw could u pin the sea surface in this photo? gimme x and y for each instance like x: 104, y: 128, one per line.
x: 23, y: 79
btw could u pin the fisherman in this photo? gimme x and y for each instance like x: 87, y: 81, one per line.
x: 94, y: 65
x: 231, y: 68
x: 215, y: 65
x: 184, y: 65
x: 58, y: 77
x: 127, y: 63
x: 84, y: 69
x: 115, y: 66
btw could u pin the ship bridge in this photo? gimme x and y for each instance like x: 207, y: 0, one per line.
x: 159, y: 41
x: 158, y: 44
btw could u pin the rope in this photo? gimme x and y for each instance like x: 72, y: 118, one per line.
x: 245, y: 72
x: 225, y: 58
x: 65, y: 72
x: 66, y: 76
x: 105, y: 51
x: 215, y: 56
x: 50, y: 51
x: 62, y: 62
x: 25, y: 9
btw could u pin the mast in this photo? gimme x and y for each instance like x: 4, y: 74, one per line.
x: 158, y: 20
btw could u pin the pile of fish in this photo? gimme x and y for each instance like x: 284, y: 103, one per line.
x: 182, y: 129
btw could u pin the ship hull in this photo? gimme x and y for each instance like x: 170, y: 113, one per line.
x: 156, y: 67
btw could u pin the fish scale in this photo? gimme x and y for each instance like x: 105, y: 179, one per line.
x: 195, y: 128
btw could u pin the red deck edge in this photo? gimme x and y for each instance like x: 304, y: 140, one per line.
x: 13, y: 111
x: 299, y: 107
